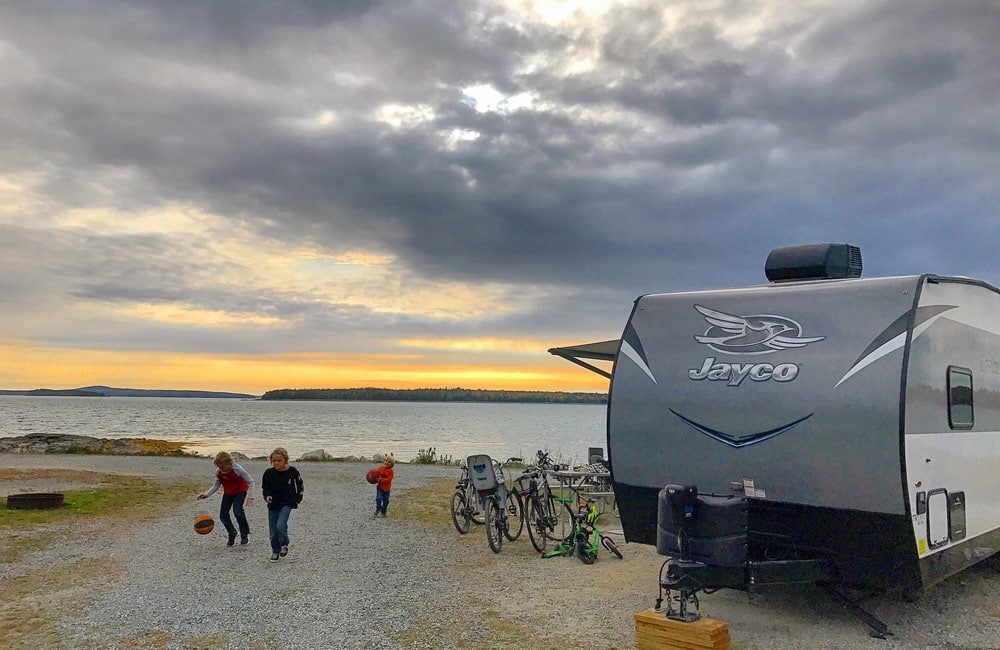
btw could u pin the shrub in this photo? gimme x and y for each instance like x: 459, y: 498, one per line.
x: 430, y: 457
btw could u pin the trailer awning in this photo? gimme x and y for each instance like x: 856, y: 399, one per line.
x: 600, y: 350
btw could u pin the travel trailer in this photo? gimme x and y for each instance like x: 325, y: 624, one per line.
x: 817, y: 428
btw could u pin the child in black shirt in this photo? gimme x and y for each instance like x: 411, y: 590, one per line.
x: 282, y: 490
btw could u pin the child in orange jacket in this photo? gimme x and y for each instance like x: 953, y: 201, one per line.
x: 384, y: 485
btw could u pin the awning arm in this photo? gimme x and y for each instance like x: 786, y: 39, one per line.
x: 601, y: 351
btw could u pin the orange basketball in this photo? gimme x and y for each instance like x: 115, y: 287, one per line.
x: 203, y: 524
x: 372, y: 476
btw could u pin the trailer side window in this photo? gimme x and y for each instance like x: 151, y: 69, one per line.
x: 960, y: 415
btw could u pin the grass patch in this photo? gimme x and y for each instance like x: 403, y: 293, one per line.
x: 429, y: 505
x: 35, y: 600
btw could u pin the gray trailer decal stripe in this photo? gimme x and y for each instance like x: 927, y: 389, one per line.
x: 893, y: 337
x: 737, y: 441
x: 632, y: 348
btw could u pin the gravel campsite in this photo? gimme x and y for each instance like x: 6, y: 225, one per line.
x: 408, y: 580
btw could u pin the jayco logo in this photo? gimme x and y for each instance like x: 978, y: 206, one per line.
x: 748, y: 335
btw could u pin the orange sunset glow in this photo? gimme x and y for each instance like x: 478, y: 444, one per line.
x: 29, y: 367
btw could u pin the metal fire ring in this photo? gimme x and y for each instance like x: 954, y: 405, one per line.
x: 35, y: 501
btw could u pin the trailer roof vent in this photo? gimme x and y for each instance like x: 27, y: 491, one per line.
x: 813, y: 262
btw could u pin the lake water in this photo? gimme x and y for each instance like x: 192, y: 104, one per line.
x: 255, y: 427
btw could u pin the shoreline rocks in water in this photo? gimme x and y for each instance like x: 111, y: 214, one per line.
x: 61, y: 443
x: 64, y: 443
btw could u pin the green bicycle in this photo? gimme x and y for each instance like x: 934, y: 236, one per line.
x: 585, y: 540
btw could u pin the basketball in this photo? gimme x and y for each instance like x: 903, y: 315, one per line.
x: 203, y: 524
x: 372, y: 476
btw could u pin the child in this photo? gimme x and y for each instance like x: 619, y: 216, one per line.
x: 383, y: 486
x: 282, y: 489
x: 237, y: 489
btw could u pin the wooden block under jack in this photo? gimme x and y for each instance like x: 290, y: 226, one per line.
x: 654, y: 631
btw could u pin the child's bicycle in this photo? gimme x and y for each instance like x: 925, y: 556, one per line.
x: 585, y: 540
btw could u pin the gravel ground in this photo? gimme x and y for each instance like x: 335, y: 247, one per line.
x: 351, y: 581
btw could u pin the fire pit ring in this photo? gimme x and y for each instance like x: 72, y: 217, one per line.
x: 34, y: 501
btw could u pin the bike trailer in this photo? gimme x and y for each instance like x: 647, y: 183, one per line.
x: 481, y: 473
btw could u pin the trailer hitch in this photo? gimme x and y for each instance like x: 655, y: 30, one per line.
x: 680, y: 589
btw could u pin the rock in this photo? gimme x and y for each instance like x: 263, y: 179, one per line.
x: 318, y: 454
x: 238, y: 456
x: 46, y: 443
x: 350, y: 459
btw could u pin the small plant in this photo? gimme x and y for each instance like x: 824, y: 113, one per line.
x: 430, y: 457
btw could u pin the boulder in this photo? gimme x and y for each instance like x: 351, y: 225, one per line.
x: 318, y: 454
x: 45, y: 443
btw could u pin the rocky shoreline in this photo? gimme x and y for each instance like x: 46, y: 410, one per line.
x: 61, y: 443
x: 51, y: 443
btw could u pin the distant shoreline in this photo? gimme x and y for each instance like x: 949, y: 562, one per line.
x: 367, y: 394
x: 107, y: 391
x: 435, y: 395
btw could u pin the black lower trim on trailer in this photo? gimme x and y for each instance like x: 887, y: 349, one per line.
x: 865, y: 549
x: 637, y: 507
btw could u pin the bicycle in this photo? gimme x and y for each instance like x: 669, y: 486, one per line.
x: 542, y: 515
x: 466, y: 505
x: 585, y: 540
x: 504, y: 510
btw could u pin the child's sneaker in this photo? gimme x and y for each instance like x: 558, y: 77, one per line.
x: 244, y: 540
x: 232, y: 539
x: 284, y: 550
x: 274, y: 557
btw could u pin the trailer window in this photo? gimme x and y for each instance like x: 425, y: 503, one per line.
x: 960, y: 414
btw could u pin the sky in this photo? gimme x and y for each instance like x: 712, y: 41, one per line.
x: 254, y: 195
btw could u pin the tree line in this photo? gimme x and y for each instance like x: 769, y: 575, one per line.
x: 435, y: 395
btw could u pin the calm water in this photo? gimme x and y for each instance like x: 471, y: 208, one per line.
x: 255, y: 427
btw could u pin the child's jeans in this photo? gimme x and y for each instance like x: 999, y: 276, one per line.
x: 277, y: 525
x: 235, y: 503
x: 381, y: 500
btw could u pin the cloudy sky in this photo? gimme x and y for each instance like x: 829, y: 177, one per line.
x: 242, y: 195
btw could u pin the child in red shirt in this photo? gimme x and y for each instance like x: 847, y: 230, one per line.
x: 237, y: 490
x: 384, y: 485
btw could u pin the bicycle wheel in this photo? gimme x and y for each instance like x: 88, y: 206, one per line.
x: 477, y: 514
x: 583, y: 548
x: 561, y: 520
x: 537, y: 515
x: 609, y: 544
x: 458, y: 513
x: 515, y: 516
x: 494, y: 524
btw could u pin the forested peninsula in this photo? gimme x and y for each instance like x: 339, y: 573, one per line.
x: 435, y: 395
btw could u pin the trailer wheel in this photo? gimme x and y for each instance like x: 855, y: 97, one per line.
x: 994, y: 562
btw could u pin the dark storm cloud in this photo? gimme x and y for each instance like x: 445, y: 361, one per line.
x: 676, y: 159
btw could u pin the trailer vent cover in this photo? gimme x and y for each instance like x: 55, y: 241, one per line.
x: 813, y: 262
